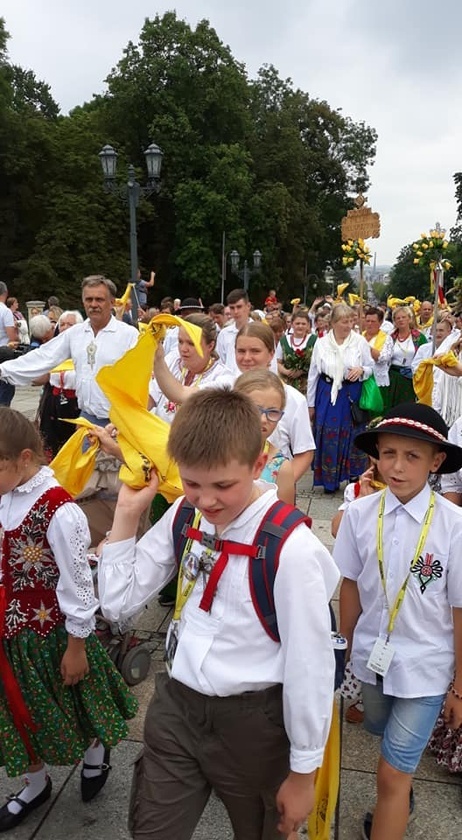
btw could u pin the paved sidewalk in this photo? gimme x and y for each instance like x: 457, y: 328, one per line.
x: 65, y: 817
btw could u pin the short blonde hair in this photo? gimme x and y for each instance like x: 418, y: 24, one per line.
x: 340, y: 310
x: 213, y: 427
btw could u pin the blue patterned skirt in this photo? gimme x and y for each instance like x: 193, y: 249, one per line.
x: 336, y: 458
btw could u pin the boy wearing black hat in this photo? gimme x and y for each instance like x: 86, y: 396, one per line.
x: 401, y: 602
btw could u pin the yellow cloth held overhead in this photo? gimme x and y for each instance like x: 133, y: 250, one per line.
x: 295, y: 301
x: 122, y: 301
x: 327, y: 784
x: 393, y: 302
x: 423, y: 377
x: 352, y: 299
x: 341, y: 288
x: 142, y: 436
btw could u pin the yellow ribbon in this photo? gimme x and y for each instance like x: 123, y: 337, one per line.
x: 423, y: 377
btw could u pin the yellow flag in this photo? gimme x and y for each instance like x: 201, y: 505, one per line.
x: 352, y: 299
x: 327, y: 784
x: 341, y: 288
x: 423, y: 377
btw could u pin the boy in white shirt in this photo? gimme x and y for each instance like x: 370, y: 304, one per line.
x: 242, y: 713
x: 401, y: 602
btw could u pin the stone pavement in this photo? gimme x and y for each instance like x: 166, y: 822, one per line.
x: 65, y: 817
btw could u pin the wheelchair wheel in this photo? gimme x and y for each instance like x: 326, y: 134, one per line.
x: 135, y: 665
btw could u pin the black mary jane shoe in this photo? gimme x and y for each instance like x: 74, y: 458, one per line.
x: 91, y: 785
x: 9, y: 820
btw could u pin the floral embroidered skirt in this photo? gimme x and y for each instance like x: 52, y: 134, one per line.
x: 336, y: 458
x: 67, y: 717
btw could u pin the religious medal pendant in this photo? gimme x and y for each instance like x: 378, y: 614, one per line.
x: 63, y: 399
x: 91, y: 353
x: 190, y: 566
x: 205, y: 566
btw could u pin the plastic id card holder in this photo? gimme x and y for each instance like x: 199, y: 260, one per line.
x: 381, y: 656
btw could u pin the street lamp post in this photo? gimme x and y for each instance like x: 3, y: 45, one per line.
x: 130, y: 193
x: 245, y: 273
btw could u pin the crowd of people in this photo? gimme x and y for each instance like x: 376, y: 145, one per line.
x: 262, y: 398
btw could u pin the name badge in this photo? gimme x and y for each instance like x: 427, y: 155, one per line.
x: 171, y: 646
x: 380, y: 658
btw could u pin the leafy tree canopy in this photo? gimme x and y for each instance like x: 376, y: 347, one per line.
x: 256, y: 158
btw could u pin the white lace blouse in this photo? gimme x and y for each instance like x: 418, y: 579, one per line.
x: 69, y: 539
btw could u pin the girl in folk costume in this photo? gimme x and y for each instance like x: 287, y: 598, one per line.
x: 341, y: 361
x: 60, y: 695
x: 294, y: 351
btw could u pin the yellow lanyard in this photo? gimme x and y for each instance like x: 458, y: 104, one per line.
x: 183, y: 590
x: 393, y: 613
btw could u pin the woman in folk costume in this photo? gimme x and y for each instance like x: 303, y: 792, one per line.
x: 61, y: 697
x: 191, y: 370
x: 294, y: 351
x: 406, y: 341
x: 341, y: 361
x: 381, y: 345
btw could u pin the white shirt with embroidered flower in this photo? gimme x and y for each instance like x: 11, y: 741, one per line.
x: 423, y: 636
x: 227, y: 651
x: 69, y: 539
x: 110, y: 343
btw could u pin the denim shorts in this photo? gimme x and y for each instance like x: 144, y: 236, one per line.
x: 404, y: 723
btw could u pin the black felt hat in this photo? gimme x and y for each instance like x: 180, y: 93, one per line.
x: 418, y: 421
x: 190, y: 303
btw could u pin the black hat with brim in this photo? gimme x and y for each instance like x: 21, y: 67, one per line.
x: 190, y: 303
x: 418, y: 421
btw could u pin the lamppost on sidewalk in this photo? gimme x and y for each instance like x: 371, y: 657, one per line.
x: 245, y: 273
x: 130, y: 193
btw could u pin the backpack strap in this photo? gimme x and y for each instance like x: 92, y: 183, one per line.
x: 184, y: 517
x: 278, y: 523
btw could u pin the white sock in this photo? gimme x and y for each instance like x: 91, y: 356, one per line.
x: 93, y: 755
x: 34, y: 784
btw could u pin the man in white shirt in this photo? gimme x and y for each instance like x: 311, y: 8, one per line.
x: 8, y: 332
x: 99, y: 341
x: 239, y: 305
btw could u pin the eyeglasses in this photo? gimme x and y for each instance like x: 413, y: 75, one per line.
x: 272, y: 414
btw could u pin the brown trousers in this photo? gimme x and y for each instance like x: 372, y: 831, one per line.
x: 236, y: 745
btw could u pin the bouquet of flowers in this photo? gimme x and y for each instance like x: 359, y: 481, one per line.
x: 354, y: 250
x: 428, y: 250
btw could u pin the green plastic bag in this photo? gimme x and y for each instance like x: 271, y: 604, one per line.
x: 371, y: 399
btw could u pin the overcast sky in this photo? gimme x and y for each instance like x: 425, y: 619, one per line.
x: 395, y: 64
